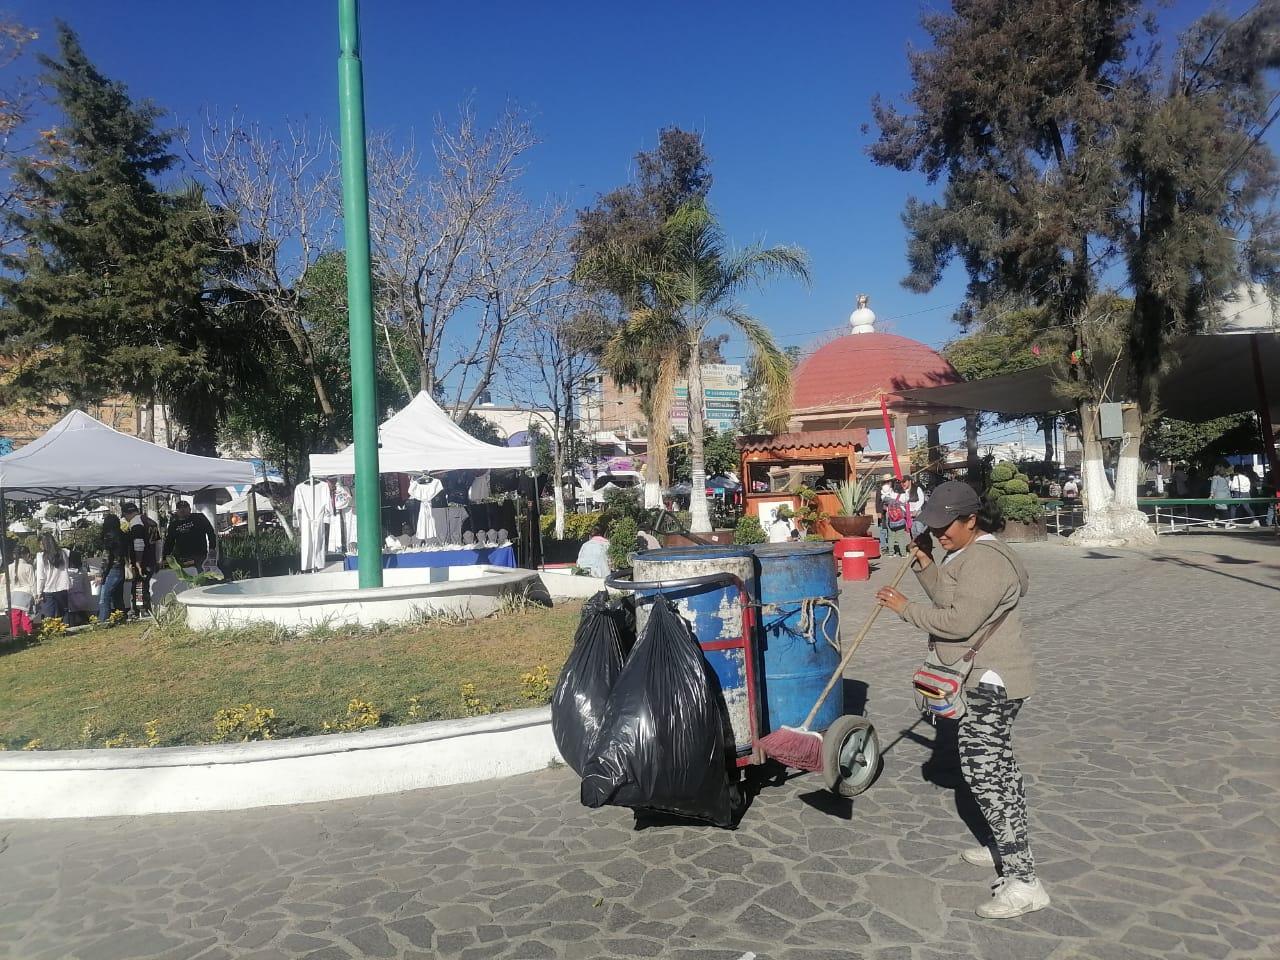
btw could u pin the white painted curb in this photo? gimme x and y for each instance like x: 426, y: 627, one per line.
x: 130, y: 782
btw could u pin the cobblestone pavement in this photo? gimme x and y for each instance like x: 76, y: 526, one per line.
x: 1152, y: 762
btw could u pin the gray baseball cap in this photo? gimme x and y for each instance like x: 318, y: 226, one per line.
x: 948, y: 501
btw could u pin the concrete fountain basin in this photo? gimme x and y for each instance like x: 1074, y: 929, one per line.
x: 333, y: 599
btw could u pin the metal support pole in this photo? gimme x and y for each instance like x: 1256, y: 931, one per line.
x: 355, y: 216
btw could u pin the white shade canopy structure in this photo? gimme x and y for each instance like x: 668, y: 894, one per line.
x: 241, y: 504
x: 81, y: 457
x: 423, y: 437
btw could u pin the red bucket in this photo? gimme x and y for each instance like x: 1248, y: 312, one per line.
x: 854, y: 565
x: 868, y: 545
x: 848, y: 543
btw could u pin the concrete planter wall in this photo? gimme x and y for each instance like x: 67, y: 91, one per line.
x: 1016, y: 531
x: 113, y: 783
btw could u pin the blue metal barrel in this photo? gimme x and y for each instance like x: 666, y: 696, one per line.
x: 799, y: 626
x: 714, y: 613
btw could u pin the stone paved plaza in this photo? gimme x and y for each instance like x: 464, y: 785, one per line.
x: 1153, y: 763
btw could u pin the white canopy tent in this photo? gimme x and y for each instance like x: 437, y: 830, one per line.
x: 241, y: 504
x: 81, y: 457
x: 420, y: 438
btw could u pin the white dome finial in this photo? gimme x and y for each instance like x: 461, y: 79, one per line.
x: 863, y: 320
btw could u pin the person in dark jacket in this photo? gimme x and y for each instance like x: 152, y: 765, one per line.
x: 190, y: 538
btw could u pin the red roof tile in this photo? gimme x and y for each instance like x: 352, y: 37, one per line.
x: 856, y: 369
x: 815, y: 438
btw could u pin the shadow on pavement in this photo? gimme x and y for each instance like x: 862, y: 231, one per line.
x: 1221, y: 573
x: 943, y: 770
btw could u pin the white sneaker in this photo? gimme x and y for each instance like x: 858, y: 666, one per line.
x: 979, y: 856
x: 1013, y: 898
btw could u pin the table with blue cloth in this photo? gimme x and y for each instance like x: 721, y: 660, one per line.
x: 487, y: 556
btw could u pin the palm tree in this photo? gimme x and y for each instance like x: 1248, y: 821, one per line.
x: 693, y: 280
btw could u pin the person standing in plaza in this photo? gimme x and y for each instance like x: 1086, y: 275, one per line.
x: 882, y: 497
x: 974, y: 594
x: 111, y: 578
x: 895, y: 521
x: 1220, y: 493
x: 1070, y: 492
x: 22, y: 590
x: 53, y: 579
x: 1240, y: 484
x: 912, y: 498
x: 143, y: 536
x: 190, y: 538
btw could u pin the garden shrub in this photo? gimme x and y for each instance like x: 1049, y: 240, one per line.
x: 1002, y: 472
x: 749, y: 531
x: 622, y: 541
x: 577, y: 526
x: 619, y: 503
x: 472, y: 702
x: 1011, y: 492
x: 361, y: 715
x: 86, y: 539
x: 535, y: 686
x: 243, y: 723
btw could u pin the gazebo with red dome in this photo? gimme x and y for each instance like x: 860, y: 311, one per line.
x: 840, y: 385
x: 836, y: 399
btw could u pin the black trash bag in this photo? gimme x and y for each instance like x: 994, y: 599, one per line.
x: 661, y: 744
x: 600, y: 647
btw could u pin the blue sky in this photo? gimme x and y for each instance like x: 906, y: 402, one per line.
x: 779, y: 92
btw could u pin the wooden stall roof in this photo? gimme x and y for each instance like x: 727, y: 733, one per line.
x: 814, y: 439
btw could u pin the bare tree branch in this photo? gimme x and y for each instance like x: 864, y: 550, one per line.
x: 279, y: 191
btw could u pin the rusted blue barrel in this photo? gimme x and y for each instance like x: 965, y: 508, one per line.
x: 713, y: 611
x: 800, y: 632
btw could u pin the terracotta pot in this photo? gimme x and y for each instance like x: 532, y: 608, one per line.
x: 851, y: 526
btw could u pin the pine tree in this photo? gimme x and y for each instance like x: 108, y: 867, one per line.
x: 1072, y: 151
x: 107, y: 293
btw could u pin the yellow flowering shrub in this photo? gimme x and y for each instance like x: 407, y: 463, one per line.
x: 471, y: 701
x: 536, y: 686
x: 243, y: 723
x: 52, y: 627
x: 361, y: 715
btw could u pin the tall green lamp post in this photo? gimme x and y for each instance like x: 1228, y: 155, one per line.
x: 355, y: 216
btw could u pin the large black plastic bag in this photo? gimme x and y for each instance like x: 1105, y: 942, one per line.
x: 605, y: 635
x: 661, y: 744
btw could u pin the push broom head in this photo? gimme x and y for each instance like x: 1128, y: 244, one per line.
x: 797, y: 748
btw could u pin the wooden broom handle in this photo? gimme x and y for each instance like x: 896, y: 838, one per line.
x: 866, y: 628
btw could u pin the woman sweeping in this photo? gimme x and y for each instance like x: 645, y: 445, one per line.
x: 973, y: 602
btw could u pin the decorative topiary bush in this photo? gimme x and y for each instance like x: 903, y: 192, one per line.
x: 1012, y: 494
x: 1003, y: 472
x: 749, y: 531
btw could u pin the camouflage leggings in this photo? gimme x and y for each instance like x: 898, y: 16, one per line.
x: 991, y: 771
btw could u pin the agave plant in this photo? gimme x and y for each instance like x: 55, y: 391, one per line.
x: 854, y: 494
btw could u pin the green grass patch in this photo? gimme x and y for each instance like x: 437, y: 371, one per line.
x: 162, y: 685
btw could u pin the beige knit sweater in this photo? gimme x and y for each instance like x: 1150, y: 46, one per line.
x: 982, y: 582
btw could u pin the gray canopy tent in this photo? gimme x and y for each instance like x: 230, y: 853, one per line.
x: 1215, y: 375
x: 81, y: 457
